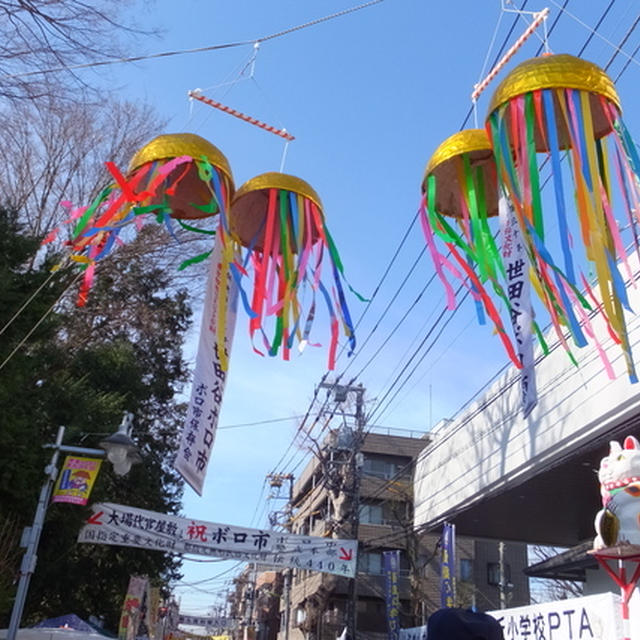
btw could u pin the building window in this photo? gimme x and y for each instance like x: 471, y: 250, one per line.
x: 301, y: 615
x: 386, y: 467
x: 493, y: 573
x: 371, y: 514
x: 371, y: 563
x: 466, y: 570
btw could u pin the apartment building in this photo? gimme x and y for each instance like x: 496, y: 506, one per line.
x: 380, y: 481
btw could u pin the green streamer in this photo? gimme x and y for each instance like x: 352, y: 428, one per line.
x: 194, y: 260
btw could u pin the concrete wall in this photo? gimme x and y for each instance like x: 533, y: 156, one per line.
x: 490, y: 447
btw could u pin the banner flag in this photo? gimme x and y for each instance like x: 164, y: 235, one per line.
x: 209, y: 377
x: 516, y: 264
x: 132, y: 608
x: 153, y: 606
x: 391, y: 571
x: 447, y: 566
x: 76, y: 480
x: 116, y: 524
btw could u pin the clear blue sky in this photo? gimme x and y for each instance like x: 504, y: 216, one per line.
x: 368, y: 96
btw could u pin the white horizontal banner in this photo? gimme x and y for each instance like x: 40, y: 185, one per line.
x: 594, y: 617
x: 130, y: 527
x: 414, y: 633
x: 207, y: 621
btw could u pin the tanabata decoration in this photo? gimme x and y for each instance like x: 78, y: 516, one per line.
x: 278, y: 219
x: 563, y: 107
x: 460, y: 194
x: 175, y: 177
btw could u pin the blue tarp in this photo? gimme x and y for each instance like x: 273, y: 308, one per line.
x: 69, y: 621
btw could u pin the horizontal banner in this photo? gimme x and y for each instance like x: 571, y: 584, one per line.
x: 596, y: 616
x: 206, y: 621
x: 116, y: 524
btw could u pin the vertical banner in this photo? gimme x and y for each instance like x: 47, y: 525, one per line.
x: 209, y: 377
x: 153, y: 604
x: 391, y: 571
x: 76, y: 480
x: 516, y: 263
x: 447, y: 566
x: 132, y: 608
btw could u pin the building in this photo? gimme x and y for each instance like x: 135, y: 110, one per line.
x: 377, y: 475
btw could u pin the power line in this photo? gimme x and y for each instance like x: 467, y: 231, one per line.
x: 180, y: 52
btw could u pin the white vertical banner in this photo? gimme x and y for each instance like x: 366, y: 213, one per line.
x: 210, y: 374
x: 516, y: 263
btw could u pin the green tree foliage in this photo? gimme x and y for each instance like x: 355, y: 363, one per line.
x: 82, y: 368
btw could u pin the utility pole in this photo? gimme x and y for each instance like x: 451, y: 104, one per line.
x: 340, y: 393
x: 276, y: 480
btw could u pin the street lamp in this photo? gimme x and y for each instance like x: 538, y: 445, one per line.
x: 119, y: 450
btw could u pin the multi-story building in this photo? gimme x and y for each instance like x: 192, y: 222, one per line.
x: 379, y: 479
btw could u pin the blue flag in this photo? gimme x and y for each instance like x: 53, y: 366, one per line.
x: 391, y: 570
x: 448, y: 566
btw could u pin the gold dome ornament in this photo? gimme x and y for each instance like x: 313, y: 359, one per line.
x: 279, y: 220
x: 460, y: 195
x: 457, y: 165
x: 250, y: 208
x: 189, y: 188
x: 178, y: 176
x: 550, y: 105
x: 559, y: 73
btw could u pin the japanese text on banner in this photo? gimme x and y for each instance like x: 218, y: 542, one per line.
x: 127, y: 526
x: 209, y: 376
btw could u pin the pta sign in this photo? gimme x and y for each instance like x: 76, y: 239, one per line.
x: 590, y: 618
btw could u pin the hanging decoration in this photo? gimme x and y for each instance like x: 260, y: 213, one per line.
x: 565, y: 107
x: 460, y: 195
x: 279, y: 220
x: 175, y: 178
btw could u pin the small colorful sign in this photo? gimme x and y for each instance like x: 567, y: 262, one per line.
x: 76, y: 480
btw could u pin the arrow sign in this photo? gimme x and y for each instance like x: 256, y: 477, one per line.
x: 346, y: 555
x: 95, y: 518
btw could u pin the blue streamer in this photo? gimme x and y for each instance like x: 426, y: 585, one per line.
x: 547, y: 96
x: 237, y: 276
x: 618, y: 282
x: 345, y: 310
x: 575, y: 94
x: 574, y: 325
x: 107, y: 246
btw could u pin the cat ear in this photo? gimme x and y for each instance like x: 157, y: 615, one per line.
x: 614, y: 447
x: 631, y: 443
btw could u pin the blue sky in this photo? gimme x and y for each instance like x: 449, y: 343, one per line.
x: 368, y: 96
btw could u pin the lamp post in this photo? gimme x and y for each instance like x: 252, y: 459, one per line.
x: 118, y: 448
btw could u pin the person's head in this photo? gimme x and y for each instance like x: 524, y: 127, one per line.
x: 463, y: 624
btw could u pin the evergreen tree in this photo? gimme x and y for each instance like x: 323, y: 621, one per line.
x: 83, y: 368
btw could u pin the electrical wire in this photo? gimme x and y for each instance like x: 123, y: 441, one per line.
x: 216, y: 47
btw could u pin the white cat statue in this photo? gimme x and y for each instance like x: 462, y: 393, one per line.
x: 618, y: 522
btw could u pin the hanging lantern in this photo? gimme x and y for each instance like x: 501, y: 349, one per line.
x: 175, y: 176
x: 560, y: 105
x: 460, y: 195
x: 278, y: 218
